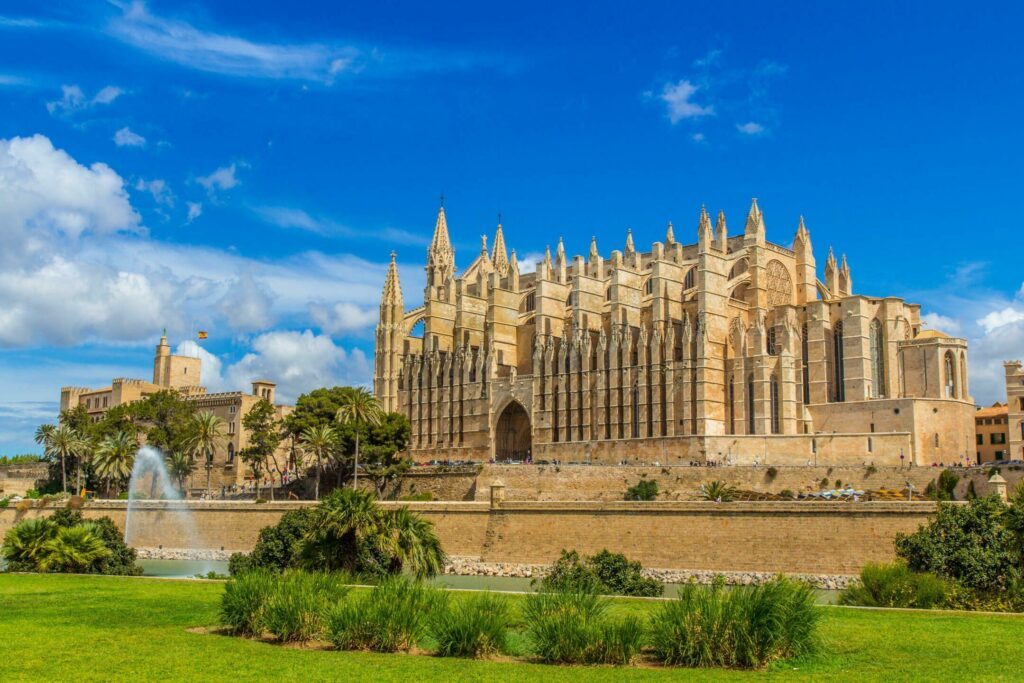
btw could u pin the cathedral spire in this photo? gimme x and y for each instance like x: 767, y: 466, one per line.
x: 721, y: 232
x: 547, y: 256
x: 704, y: 235
x: 498, y: 255
x: 755, y: 220
x: 630, y: 249
x: 441, y: 252
x: 392, y: 294
x: 594, y: 255
x: 670, y: 236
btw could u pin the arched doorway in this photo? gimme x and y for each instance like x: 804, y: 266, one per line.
x: 512, y: 434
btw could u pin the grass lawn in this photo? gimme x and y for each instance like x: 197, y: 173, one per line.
x: 60, y: 627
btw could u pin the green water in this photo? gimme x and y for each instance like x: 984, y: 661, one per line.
x: 189, y: 568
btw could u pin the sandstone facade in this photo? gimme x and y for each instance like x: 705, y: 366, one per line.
x: 729, y: 350
x: 1015, y: 408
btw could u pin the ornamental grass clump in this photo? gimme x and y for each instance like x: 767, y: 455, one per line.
x: 572, y: 627
x: 475, y: 627
x: 244, y: 601
x: 299, y: 604
x: 746, y: 627
x: 895, y: 585
x: 390, y: 618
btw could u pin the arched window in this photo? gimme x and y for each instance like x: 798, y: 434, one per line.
x: 771, y: 342
x: 776, y: 407
x: 570, y: 299
x: 688, y: 281
x: 608, y: 294
x: 837, y: 354
x: 531, y: 302
x: 806, y: 371
x: 231, y: 451
x: 750, y: 405
x: 877, y: 360
x: 635, y: 412
x: 649, y: 286
x: 963, y: 375
x: 951, y: 375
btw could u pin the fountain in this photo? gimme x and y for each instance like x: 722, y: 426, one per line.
x: 149, y: 473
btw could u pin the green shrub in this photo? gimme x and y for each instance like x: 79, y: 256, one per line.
x: 390, y: 618
x: 894, y: 585
x: 240, y: 563
x: 298, y: 605
x: 772, y: 472
x: 28, y: 555
x: 25, y: 544
x: 786, y: 493
x: 244, y: 601
x: 745, y: 627
x: 475, y: 627
x: 420, y: 496
x: 572, y: 627
x: 823, y: 483
x: 4, y: 502
x: 645, y: 489
x: 74, y: 549
x: 604, y: 573
x: 871, y: 469
x: 717, y: 491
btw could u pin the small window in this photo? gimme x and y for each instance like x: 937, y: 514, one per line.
x: 772, y: 345
x: 649, y: 287
x: 232, y: 409
x: 936, y: 439
x: 688, y: 281
x: 871, y: 445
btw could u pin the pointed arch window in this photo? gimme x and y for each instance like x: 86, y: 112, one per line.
x: 649, y: 286
x: 776, y: 406
x: 750, y: 405
x: 877, y: 360
x: 837, y: 354
x: 806, y: 375
x: 689, y: 280
x: 951, y: 375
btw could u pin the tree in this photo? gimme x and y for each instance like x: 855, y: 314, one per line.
x: 264, y: 430
x: 205, y: 436
x: 181, y: 465
x: 167, y: 419
x: 358, y: 408
x: 115, y: 457
x: 320, y: 441
x: 385, y: 441
x: 645, y: 489
x: 65, y: 443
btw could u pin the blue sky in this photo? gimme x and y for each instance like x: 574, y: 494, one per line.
x: 246, y: 168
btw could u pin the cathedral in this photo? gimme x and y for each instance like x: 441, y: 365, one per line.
x: 728, y: 350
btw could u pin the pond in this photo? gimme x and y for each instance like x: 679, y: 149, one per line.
x: 182, y: 569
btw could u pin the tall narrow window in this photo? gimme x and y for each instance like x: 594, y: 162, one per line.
x: 688, y: 281
x: 877, y: 360
x: 750, y: 405
x: 772, y: 344
x: 636, y: 412
x: 837, y: 354
x: 950, y: 368
x: 776, y: 407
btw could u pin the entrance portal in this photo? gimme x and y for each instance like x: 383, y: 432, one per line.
x: 512, y: 435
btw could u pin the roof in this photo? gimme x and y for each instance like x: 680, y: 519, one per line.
x: 997, y: 409
x: 932, y: 334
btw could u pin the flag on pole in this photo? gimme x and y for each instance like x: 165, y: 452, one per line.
x: 202, y: 334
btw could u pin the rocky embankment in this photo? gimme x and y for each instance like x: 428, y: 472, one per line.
x: 182, y: 554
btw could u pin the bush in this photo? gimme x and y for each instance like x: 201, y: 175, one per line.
x: 717, y: 491
x: 244, y: 601
x: 772, y: 472
x: 871, y: 469
x: 25, y: 544
x: 420, y: 496
x: 823, y: 483
x: 645, y: 489
x: 786, y: 493
x: 475, y: 627
x: 745, y: 627
x: 390, y: 618
x: 571, y: 627
x: 894, y: 585
x: 299, y: 603
x: 604, y: 573
x: 73, y: 550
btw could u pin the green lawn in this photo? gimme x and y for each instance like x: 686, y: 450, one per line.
x: 102, y: 628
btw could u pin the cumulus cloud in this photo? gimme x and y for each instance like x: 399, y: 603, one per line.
x: 298, y: 362
x: 221, y: 179
x: 73, y: 99
x: 1001, y: 318
x: 156, y: 188
x: 210, y: 366
x: 680, y: 105
x: 125, y: 137
x: 935, y: 321
x: 246, y: 304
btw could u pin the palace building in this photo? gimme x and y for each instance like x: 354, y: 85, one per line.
x: 730, y: 350
x: 182, y: 374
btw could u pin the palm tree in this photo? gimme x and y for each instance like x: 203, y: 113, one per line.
x: 25, y: 544
x: 74, y: 549
x: 44, y: 436
x: 359, y: 407
x: 413, y: 544
x: 181, y: 465
x: 206, y: 437
x: 319, y: 440
x: 65, y: 442
x: 718, y: 491
x: 115, y: 457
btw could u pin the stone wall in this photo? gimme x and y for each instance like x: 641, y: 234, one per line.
x: 806, y: 538
x: 16, y: 480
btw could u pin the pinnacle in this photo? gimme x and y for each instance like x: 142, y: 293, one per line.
x: 441, y: 246
x: 498, y: 255
x: 629, y: 241
x: 755, y: 219
x: 670, y: 237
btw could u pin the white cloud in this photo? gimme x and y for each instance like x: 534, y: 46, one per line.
x: 195, y: 210
x: 750, y: 128
x: 221, y: 179
x: 528, y: 262
x: 299, y: 362
x: 284, y: 217
x: 698, y: 137
x: 73, y: 99
x: 125, y: 137
x: 247, y: 304
x: 342, y: 317
x: 934, y: 321
x: 210, y: 366
x: 181, y: 42
x: 677, y: 96
x: 157, y: 188
x: 1001, y: 318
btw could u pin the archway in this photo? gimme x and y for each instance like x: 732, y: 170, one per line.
x: 512, y: 434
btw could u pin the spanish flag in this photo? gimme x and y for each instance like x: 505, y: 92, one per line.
x: 202, y: 334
